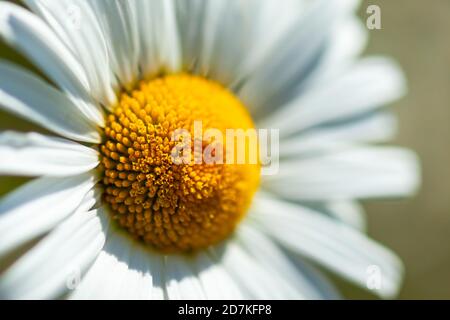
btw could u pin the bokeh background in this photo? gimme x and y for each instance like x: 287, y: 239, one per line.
x: 417, y: 34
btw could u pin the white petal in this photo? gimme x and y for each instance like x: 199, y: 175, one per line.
x: 270, y: 256
x: 370, y: 84
x: 181, y: 281
x: 211, y: 44
x: 148, y: 58
x: 29, y: 34
x: 255, y: 281
x: 216, y: 282
x: 57, y: 262
x: 115, y: 275
x: 292, y: 57
x: 143, y: 279
x: 34, y: 155
x: 138, y: 283
x: 346, y: 44
x: 321, y: 282
x: 265, y: 31
x: 330, y: 243
x: 27, y: 96
x: 378, y: 127
x: 38, y: 206
x: 190, y: 19
x: 224, y: 40
x: 123, y: 270
x: 160, y: 44
x: 349, y: 212
x: 346, y: 173
x: 118, y: 20
x: 77, y: 26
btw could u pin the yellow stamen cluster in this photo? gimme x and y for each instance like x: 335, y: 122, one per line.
x: 174, y: 207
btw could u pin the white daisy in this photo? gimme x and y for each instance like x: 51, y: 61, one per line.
x: 108, y: 217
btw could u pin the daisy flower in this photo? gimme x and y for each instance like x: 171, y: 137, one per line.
x: 110, y: 216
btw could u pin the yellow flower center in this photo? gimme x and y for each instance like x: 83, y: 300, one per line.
x: 173, y: 206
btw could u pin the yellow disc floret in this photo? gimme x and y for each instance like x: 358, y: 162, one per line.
x: 171, y: 206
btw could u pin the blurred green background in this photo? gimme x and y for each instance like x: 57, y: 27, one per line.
x: 416, y: 34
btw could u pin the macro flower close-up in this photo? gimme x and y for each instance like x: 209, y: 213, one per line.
x: 107, y: 211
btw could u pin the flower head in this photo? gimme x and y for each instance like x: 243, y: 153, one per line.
x: 135, y: 200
